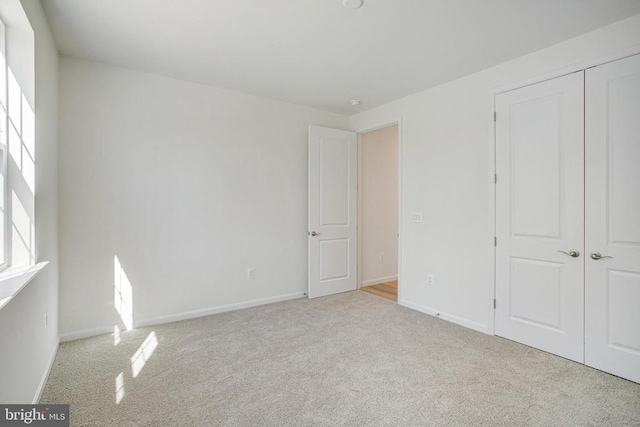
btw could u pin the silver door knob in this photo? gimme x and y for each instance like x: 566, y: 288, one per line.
x: 313, y: 233
x: 572, y: 253
x: 598, y: 255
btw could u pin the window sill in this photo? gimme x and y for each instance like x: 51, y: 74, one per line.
x: 13, y: 280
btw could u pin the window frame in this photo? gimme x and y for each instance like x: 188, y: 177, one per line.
x: 5, y: 208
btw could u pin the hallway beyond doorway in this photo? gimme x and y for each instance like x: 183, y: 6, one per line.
x: 388, y: 290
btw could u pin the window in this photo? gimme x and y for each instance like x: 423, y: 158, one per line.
x: 17, y: 145
x: 3, y: 150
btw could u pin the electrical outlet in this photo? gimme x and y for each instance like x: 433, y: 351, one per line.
x: 251, y: 273
x: 416, y: 216
x: 430, y: 279
x: 46, y: 320
x: 381, y: 256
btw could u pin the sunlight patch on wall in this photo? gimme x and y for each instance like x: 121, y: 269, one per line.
x: 15, y: 100
x: 143, y: 353
x: 23, y: 234
x: 28, y: 128
x: 14, y: 146
x: 22, y: 133
x: 27, y: 146
x: 122, y: 294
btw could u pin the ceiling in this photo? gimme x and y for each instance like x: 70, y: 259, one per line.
x: 316, y: 52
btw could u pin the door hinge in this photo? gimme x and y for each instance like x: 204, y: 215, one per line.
x: 495, y: 178
x: 495, y: 116
x: 494, y: 303
x: 495, y: 241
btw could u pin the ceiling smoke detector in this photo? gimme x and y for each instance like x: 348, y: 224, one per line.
x: 352, y: 4
x: 355, y: 102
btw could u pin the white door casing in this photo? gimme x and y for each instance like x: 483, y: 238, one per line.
x: 612, y: 228
x: 333, y: 211
x: 539, y: 212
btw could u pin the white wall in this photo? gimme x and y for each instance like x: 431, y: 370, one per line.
x: 26, y: 346
x: 447, y: 175
x: 187, y: 185
x: 379, y: 205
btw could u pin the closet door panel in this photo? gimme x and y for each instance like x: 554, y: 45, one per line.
x: 612, y: 228
x: 540, y: 212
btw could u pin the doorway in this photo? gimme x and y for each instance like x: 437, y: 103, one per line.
x: 334, y: 237
x: 378, y: 211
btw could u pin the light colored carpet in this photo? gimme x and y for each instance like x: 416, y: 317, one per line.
x: 347, y: 360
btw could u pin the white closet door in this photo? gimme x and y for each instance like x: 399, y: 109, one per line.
x: 612, y: 286
x: 539, y: 212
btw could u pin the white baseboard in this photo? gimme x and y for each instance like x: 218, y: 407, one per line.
x: 45, y: 375
x: 215, y: 310
x: 86, y: 333
x: 378, y: 281
x: 448, y: 317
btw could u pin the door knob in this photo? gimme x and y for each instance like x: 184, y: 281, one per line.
x: 572, y: 253
x: 598, y: 255
x: 313, y: 233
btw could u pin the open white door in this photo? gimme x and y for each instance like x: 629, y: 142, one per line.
x: 612, y: 307
x: 333, y: 211
x: 539, y: 216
